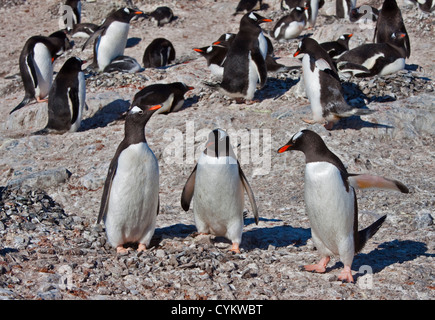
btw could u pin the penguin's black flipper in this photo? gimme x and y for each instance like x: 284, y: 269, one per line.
x: 92, y: 37
x: 187, y: 194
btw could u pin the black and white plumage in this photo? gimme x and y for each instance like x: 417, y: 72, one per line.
x: 245, y: 64
x: 36, y: 65
x: 217, y: 185
x: 83, y: 30
x: 76, y: 7
x: 215, y: 56
x: 130, y: 200
x: 323, y: 86
x: 169, y: 95
x: 364, y: 14
x: 162, y: 15
x: 159, y: 53
x: 312, y: 11
x: 290, y: 26
x: 426, y: 5
x: 343, y: 8
x: 331, y: 203
x: 390, y: 22
x: 245, y: 6
x: 336, y: 48
x: 110, y: 38
x: 67, y: 97
x: 123, y: 64
x: 372, y: 59
x: 291, y: 4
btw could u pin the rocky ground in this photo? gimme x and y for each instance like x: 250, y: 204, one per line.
x: 51, y: 186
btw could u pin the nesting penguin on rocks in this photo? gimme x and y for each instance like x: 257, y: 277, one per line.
x: 331, y: 203
x: 130, y: 200
x: 336, y: 48
x: 159, y: 53
x: 290, y: 26
x: 217, y: 185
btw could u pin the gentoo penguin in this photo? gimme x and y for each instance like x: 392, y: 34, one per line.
x: 426, y: 5
x: 170, y: 96
x: 290, y: 26
x: 245, y: 63
x: 390, y: 21
x: 159, y: 53
x: 291, y: 4
x: 343, y: 7
x: 83, y: 30
x: 364, y: 14
x: 162, y: 15
x: 123, y: 64
x: 36, y: 65
x: 331, y: 203
x: 215, y: 56
x: 323, y: 86
x: 312, y: 12
x: 372, y: 59
x: 130, y: 200
x: 337, y: 48
x: 248, y: 6
x: 67, y: 96
x: 111, y: 37
x: 217, y: 184
x: 76, y: 7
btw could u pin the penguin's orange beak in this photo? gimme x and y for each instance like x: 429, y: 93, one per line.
x: 296, y: 53
x: 266, y: 20
x: 197, y: 50
x: 156, y: 107
x: 285, y: 148
x: 190, y: 88
x: 350, y: 36
x: 138, y: 12
x: 217, y: 42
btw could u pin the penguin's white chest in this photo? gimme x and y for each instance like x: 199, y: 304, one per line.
x: 398, y: 64
x: 329, y: 206
x: 134, y: 195
x: 253, y: 77
x: 312, y: 87
x: 43, y: 69
x: 218, y: 197
x: 112, y: 43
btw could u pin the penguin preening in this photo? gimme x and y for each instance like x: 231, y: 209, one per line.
x: 67, y: 97
x: 217, y: 185
x: 390, y: 21
x: 170, y: 96
x: 245, y: 63
x: 130, y: 200
x: 331, y: 203
x: 323, y: 86
x: 372, y: 59
x: 159, y: 53
x: 36, y: 65
x: 110, y: 38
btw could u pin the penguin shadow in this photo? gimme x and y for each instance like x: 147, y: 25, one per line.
x: 277, y: 236
x: 132, y: 42
x: 274, y: 88
x: 189, y: 102
x: 109, y: 113
x: 388, y: 253
x: 5, y: 251
x: 178, y: 230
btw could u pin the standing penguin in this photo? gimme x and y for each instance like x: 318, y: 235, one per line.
x: 76, y: 7
x: 218, y: 184
x: 390, y: 21
x: 338, y: 47
x: 331, y: 204
x: 290, y: 26
x: 130, y: 200
x: 313, y: 11
x: 67, y: 96
x: 170, y: 96
x: 159, y: 53
x: 36, y: 65
x: 111, y: 37
x: 323, y: 86
x: 343, y: 8
x: 245, y: 63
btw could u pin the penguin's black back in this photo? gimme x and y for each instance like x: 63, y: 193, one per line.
x: 159, y: 53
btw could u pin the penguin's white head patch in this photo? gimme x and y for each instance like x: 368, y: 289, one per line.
x: 253, y: 16
x: 136, y: 109
x: 297, y: 136
x: 341, y: 37
x: 126, y: 10
x: 209, y: 49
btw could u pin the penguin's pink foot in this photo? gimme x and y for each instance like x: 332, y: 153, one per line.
x: 319, y: 267
x: 121, y: 249
x: 38, y: 99
x: 346, y: 275
x: 141, y: 247
x: 235, y: 248
x: 309, y: 121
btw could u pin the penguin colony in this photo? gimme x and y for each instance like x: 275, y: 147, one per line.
x: 217, y: 185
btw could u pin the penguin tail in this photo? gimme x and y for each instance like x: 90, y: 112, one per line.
x: 365, y: 234
x: 23, y: 103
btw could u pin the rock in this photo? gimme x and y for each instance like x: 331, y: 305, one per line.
x: 42, y: 179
